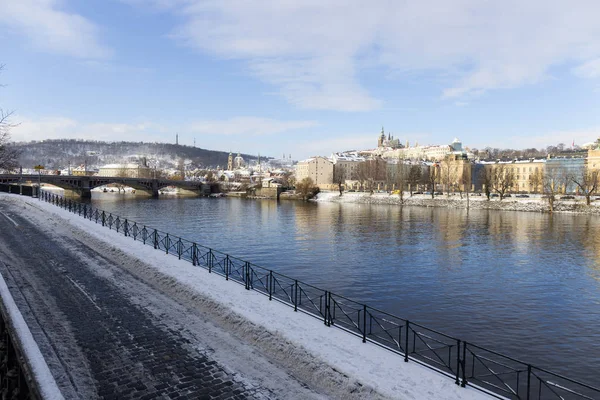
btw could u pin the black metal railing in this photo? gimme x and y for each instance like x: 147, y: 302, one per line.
x: 16, y: 380
x: 497, y: 374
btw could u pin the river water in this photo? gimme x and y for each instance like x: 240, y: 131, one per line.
x: 524, y: 284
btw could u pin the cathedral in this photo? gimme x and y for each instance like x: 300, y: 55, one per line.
x: 389, y: 142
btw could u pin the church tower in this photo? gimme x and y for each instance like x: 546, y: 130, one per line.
x: 381, y: 138
x: 230, y: 162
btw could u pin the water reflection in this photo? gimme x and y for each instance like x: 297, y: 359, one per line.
x: 526, y: 284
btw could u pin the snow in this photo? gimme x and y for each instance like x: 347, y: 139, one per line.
x: 326, y: 357
x: 31, y: 352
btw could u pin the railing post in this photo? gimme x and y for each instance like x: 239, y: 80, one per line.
x: 364, y: 323
x: 406, y: 342
x: 227, y: 267
x: 326, y: 311
x: 179, y: 246
x: 270, y: 285
x: 247, y: 278
x: 296, y: 295
x: 210, y: 260
x: 103, y: 218
x: 528, y: 381
x: 155, y: 234
x: 464, y: 365
x: 125, y: 228
x: 194, y: 254
x: 457, y: 381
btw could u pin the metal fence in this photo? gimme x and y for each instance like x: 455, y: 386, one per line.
x: 467, y: 364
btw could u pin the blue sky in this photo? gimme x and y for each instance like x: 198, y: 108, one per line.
x: 303, y: 77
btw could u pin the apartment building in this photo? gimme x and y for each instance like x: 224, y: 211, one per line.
x: 319, y: 169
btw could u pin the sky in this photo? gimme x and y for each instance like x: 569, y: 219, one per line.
x: 303, y: 77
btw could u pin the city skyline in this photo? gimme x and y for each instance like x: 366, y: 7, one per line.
x: 302, y: 78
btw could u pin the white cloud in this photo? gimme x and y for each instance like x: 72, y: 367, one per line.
x: 51, y: 29
x: 314, y: 51
x: 247, y: 126
x: 567, y: 137
x: 590, y: 69
x: 67, y: 128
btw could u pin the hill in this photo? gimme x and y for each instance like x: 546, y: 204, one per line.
x: 59, y: 153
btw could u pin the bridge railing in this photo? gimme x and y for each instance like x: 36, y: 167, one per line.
x: 497, y: 374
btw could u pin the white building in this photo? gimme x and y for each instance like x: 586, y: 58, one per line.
x: 130, y: 170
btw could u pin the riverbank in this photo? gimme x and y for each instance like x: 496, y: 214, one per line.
x: 531, y: 204
x: 327, y: 360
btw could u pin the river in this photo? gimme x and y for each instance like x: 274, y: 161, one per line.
x: 524, y: 284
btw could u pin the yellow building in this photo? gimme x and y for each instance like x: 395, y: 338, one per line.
x: 593, y: 160
x: 319, y: 169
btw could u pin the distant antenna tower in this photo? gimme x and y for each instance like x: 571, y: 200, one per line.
x: 194, y: 142
x: 177, y: 138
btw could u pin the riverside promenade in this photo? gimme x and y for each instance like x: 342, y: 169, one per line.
x: 115, y: 319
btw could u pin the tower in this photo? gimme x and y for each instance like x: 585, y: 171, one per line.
x: 230, y: 162
x: 381, y: 138
x: 176, y: 138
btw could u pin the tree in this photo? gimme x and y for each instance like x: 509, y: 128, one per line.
x: 396, y: 177
x: 535, y: 181
x: 8, y: 154
x: 210, y: 177
x: 587, y: 182
x: 414, y: 177
x: 306, y: 187
x: 551, y: 187
x: 433, y: 178
x: 485, y: 175
x: 370, y: 172
x: 449, y: 173
x: 339, y: 177
x: 503, y: 178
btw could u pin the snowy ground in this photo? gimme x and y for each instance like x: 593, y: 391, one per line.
x: 325, y: 359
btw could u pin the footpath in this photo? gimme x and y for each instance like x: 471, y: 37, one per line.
x: 115, y: 319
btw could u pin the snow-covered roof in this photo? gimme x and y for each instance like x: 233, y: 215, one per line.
x: 123, y: 166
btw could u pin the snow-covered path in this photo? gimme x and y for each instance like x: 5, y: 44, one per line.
x: 116, y: 318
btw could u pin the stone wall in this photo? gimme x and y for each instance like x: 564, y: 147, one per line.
x: 475, y: 202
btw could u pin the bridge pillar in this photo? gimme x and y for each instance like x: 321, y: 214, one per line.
x: 155, y: 188
x: 86, y: 193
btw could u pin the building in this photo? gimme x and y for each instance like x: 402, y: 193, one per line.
x: 390, y: 142
x: 346, y: 165
x: 130, y: 170
x: 83, y: 170
x: 593, y: 157
x: 319, y: 169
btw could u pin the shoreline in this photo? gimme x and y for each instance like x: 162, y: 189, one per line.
x: 532, y: 204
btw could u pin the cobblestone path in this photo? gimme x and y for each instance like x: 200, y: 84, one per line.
x: 101, y: 343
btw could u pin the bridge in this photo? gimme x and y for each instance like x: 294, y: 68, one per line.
x: 83, y: 185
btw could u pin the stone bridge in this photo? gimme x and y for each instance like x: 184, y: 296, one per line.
x: 82, y: 185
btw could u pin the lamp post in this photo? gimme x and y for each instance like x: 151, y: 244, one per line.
x: 39, y: 169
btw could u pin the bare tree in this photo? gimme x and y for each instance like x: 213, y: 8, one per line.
x: 503, y: 179
x: 8, y: 154
x: 414, y: 177
x: 306, y: 187
x: 535, y: 181
x: 339, y: 177
x: 486, y: 177
x: 449, y: 173
x: 551, y: 187
x: 587, y: 182
x: 397, y: 176
x: 433, y: 178
x: 370, y: 172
